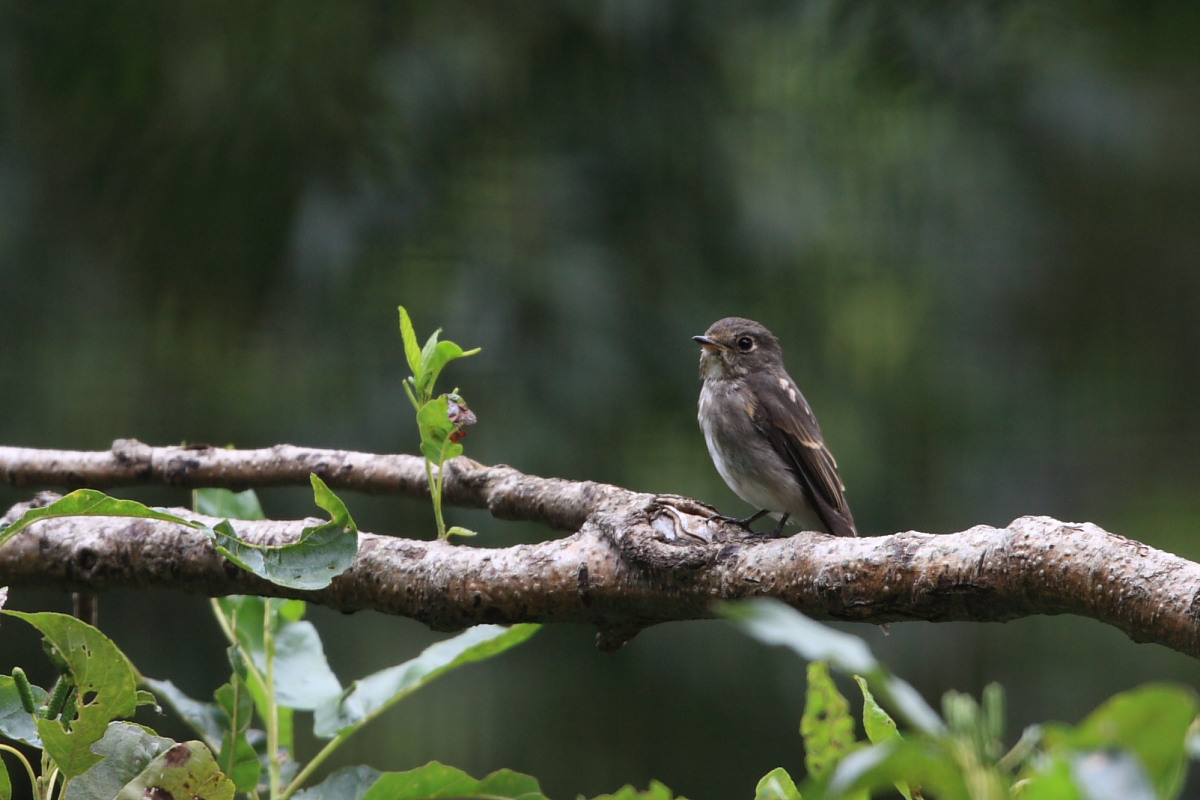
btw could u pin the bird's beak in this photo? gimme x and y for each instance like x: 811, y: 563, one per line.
x: 710, y: 343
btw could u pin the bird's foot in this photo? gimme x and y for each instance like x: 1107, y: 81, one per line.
x: 741, y: 522
x: 746, y: 522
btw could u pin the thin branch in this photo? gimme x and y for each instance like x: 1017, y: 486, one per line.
x: 635, y: 559
x: 506, y: 492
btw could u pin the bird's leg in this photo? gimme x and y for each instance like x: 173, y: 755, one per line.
x: 744, y: 522
x: 779, y: 528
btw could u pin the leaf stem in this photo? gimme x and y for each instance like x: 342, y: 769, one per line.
x: 53, y: 779
x: 44, y: 786
x: 412, y: 397
x: 307, y: 770
x: 33, y: 779
x: 215, y: 604
x: 435, y: 493
x: 272, y: 720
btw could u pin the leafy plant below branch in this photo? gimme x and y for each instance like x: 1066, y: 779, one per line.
x: 1135, y: 745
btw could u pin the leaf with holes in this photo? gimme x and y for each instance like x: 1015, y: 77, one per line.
x: 127, y: 750
x: 105, y: 685
x: 827, y: 727
x: 186, y: 770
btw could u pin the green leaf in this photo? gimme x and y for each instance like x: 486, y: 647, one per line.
x: 775, y: 623
x: 507, y: 783
x: 286, y: 723
x: 324, y: 497
x: 434, y: 422
x: 290, y: 610
x: 431, y: 780
x: 127, y: 750
x: 348, y: 783
x: 441, y: 355
x: 299, y: 653
x: 370, y: 696
x: 776, y: 785
x: 236, y: 757
x: 5, y: 783
x: 425, y: 382
x: 879, y: 725
x: 244, y: 615
x: 826, y: 726
x: 227, y: 504
x: 185, y: 770
x: 900, y: 761
x: 311, y: 562
x: 772, y: 622
x: 412, y: 351
x: 656, y: 791
x: 438, y: 780
x: 427, y: 356
x: 243, y: 619
x: 204, y: 718
x: 303, y: 678
x: 88, y: 503
x: 442, y: 454
x: 1151, y: 722
x: 15, y: 722
x: 105, y: 684
x: 1051, y: 781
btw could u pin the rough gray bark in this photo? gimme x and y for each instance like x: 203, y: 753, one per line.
x: 633, y: 560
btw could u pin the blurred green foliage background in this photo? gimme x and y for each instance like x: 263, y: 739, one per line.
x: 972, y: 225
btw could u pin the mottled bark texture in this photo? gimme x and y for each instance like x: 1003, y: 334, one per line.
x: 633, y: 560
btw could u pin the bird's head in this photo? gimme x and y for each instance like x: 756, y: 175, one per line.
x: 733, y: 347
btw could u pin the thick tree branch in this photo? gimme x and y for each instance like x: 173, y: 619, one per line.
x: 634, y: 560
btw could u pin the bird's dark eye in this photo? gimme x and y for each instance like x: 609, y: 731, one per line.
x: 745, y: 344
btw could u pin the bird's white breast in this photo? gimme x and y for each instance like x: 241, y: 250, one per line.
x: 744, y: 459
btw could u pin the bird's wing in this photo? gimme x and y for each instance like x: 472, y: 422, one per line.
x: 784, y: 417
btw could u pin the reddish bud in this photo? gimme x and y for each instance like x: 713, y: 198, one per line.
x: 460, y: 416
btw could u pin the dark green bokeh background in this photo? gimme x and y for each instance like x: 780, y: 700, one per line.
x: 974, y: 227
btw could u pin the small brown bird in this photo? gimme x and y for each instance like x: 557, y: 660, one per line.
x: 761, y: 433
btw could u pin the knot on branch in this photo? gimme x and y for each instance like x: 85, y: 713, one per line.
x: 133, y: 454
x: 661, y: 545
x: 669, y: 532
